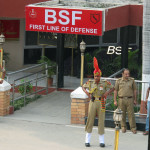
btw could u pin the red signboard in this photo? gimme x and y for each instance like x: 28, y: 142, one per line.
x: 64, y: 20
x: 10, y: 28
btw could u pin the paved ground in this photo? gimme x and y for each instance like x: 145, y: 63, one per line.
x: 45, y: 125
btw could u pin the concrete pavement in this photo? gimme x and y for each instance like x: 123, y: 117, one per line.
x: 52, y: 108
x: 45, y: 125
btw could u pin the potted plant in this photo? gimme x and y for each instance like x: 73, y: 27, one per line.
x: 51, y: 70
x: 89, y: 64
x: 29, y: 87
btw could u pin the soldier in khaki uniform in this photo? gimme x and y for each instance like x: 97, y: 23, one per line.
x: 126, y: 89
x: 96, y: 90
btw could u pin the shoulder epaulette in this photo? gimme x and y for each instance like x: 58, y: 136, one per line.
x: 131, y: 78
x: 119, y: 78
x: 103, y: 80
x: 91, y: 80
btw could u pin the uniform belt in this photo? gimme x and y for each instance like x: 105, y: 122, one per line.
x: 96, y: 98
x: 125, y: 97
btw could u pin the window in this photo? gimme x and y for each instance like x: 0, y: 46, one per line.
x: 91, y: 40
x: 31, y: 56
x: 132, y: 34
x: 31, y: 38
x: 110, y: 36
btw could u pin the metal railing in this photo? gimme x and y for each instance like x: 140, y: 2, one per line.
x: 117, y: 73
x: 40, y: 76
x: 8, y: 75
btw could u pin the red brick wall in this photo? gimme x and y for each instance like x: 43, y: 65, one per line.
x: 4, y: 103
x: 79, y: 110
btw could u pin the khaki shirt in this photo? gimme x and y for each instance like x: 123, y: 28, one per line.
x: 98, y: 89
x: 125, y: 88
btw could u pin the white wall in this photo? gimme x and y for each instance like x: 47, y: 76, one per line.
x: 105, y: 1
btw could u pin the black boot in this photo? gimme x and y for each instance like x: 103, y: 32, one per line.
x: 102, y: 145
x: 87, y: 144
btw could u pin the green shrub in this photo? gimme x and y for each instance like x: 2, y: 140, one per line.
x: 52, y: 69
x: 18, y: 104
x: 29, y: 87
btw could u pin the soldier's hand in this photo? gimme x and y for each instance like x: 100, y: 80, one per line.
x: 89, y: 95
x: 134, y: 102
x: 1, y: 81
x: 115, y: 103
x: 105, y: 95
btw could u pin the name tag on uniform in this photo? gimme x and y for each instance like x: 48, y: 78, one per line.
x: 101, y: 88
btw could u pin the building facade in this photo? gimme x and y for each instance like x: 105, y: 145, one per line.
x: 121, y: 18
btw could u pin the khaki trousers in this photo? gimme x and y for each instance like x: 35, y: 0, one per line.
x: 126, y: 105
x: 95, y: 108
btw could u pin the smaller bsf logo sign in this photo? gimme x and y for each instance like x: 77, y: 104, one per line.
x: 32, y: 13
x: 95, y: 18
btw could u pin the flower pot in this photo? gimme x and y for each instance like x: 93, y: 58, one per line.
x: 11, y: 109
x: 50, y: 82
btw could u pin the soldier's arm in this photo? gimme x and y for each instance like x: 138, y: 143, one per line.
x: 115, y: 97
x: 111, y: 89
x: 116, y: 92
x: 135, y: 99
x: 108, y: 92
x: 87, y: 93
x: 85, y: 88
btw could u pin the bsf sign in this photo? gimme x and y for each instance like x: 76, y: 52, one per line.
x: 113, y: 49
x: 116, y: 50
x: 63, y: 20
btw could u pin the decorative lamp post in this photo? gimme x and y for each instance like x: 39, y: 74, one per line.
x: 82, y: 49
x: 2, y: 41
x: 117, y: 119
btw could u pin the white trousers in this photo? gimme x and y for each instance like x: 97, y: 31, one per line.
x: 101, y: 138
x: 88, y: 138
